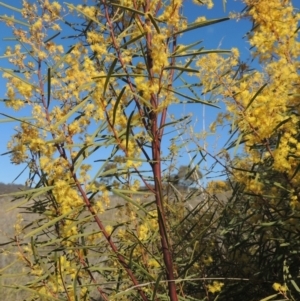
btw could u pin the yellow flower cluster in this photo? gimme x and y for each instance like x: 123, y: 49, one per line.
x: 213, y: 69
x: 264, y: 105
x: 143, y: 232
x: 216, y: 187
x: 90, y: 11
x: 15, y: 86
x: 208, y: 3
x: 207, y: 260
x: 279, y: 288
x: 159, y: 52
x: 215, y: 287
x: 277, y: 23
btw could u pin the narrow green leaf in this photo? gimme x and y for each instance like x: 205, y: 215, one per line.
x: 58, y: 241
x: 11, y: 7
x: 256, y: 94
x: 62, y: 59
x: 51, y: 38
x: 185, y: 48
x: 29, y: 197
x: 35, y: 292
x: 153, y: 22
x: 181, y: 69
x: 10, y: 39
x: 196, y: 25
x: 80, y: 156
x: 49, y: 224
x: 35, y: 255
x: 20, y: 120
x: 75, y: 280
x: 234, y: 144
x: 201, y: 52
x: 237, y: 144
x: 76, y: 108
x: 140, y: 267
x: 188, y: 63
x: 13, y: 20
x: 281, y: 123
x: 100, y: 269
x: 132, y: 40
x: 269, y: 298
x: 129, y: 125
x: 269, y: 224
x: 39, y: 279
x: 194, y: 100
x: 157, y: 282
x: 128, y: 199
x: 111, y: 172
x: 132, y: 192
x: 97, y: 175
x: 132, y: 159
x: 73, y: 7
x: 27, y: 192
x: 110, y: 72
x: 49, y: 87
x: 128, y: 8
x: 13, y: 119
x: 188, y: 175
x: 8, y: 265
x: 14, y: 275
x: 10, y: 55
x: 117, y: 104
x: 233, y: 132
x: 145, y: 101
x: 55, y: 141
x: 18, y: 77
x: 224, y: 5
x: 120, y: 75
x: 19, y: 204
x: 285, y: 244
x: 280, y: 186
x: 128, y: 31
x: 175, y: 122
x: 86, y: 85
x: 119, y: 295
x: 296, y: 287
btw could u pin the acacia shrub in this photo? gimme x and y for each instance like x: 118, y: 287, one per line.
x: 99, y: 102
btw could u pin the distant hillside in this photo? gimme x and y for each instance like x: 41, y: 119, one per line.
x: 7, y: 188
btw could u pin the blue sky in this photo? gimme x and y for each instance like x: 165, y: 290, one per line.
x: 224, y: 35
